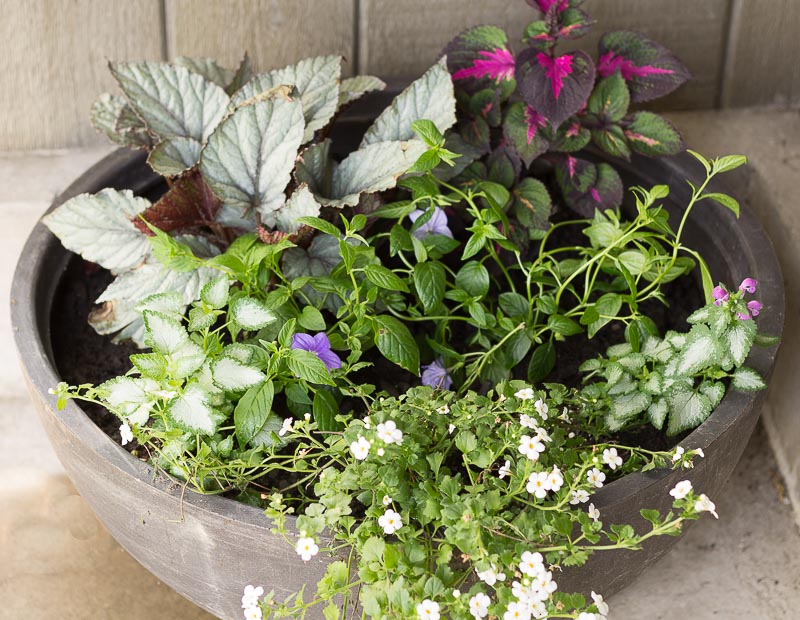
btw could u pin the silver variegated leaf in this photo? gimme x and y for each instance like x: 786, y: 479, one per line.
x: 739, y: 339
x: 315, y: 168
x: 372, y: 168
x: 625, y: 406
x: 317, y: 83
x: 99, y: 228
x: 208, y: 68
x: 249, y: 158
x: 165, y: 334
x: 319, y: 260
x: 234, y: 376
x: 192, y: 412
x: 687, y: 409
x: 251, y: 314
x: 430, y: 97
x: 356, y: 87
x: 300, y: 204
x: 172, y: 101
x: 657, y: 412
x: 747, y: 379
x: 173, y: 157
x: 131, y: 396
x: 112, y: 116
x: 699, y: 351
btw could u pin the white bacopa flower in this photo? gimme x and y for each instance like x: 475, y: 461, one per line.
x: 703, y: 504
x: 531, y: 564
x: 525, y: 394
x: 307, y: 417
x: 306, y: 548
x: 678, y: 454
x: 517, y: 611
x: 479, y: 605
x: 253, y: 613
x: 531, y: 447
x: 601, y: 605
x: 543, y: 585
x: 490, y: 576
x: 286, y: 427
x: 505, y: 470
x: 594, y: 513
x: 386, y: 500
x: 699, y: 452
x: 443, y: 410
x: 555, y: 479
x: 456, y: 593
x: 681, y: 489
x: 571, y: 435
x: 538, y: 484
x: 389, y: 433
x: 451, y: 428
x: 611, y: 458
x: 579, y: 496
x: 126, y: 434
x: 381, y: 452
x: 360, y: 448
x: 428, y: 610
x: 538, y: 609
x: 251, y: 596
x: 527, y: 421
x: 595, y: 477
x: 541, y: 408
x: 390, y: 521
x: 587, y: 615
x: 367, y: 423
x: 542, y: 435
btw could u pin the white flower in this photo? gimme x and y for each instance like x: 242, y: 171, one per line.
x: 531, y: 564
x: 490, y: 576
x: 517, y: 611
x: 367, y: 423
x: 505, y: 470
x: 594, y: 513
x: 428, y: 610
x: 602, y: 606
x: 389, y: 433
x: 286, y: 427
x: 587, y: 615
x: 307, y: 417
x: 386, y: 500
x: 251, y: 596
x: 571, y: 435
x: 306, y: 548
x: 542, y: 435
x: 595, y: 477
x: 699, y: 452
x: 479, y: 605
x: 611, y: 459
x: 541, y: 408
x: 543, y: 585
x: 531, y: 447
x: 555, y: 479
x: 681, y: 489
x: 381, y: 451
x: 703, y: 504
x: 126, y: 434
x: 360, y: 448
x: 538, y: 609
x: 456, y: 593
x: 443, y: 410
x: 253, y: 613
x: 390, y: 521
x: 527, y: 421
x: 451, y: 428
x: 538, y: 484
x: 525, y: 394
x: 678, y: 454
x: 580, y: 496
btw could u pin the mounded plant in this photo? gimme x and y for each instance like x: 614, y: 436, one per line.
x: 369, y: 342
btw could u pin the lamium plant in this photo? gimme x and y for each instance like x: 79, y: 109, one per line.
x: 370, y: 342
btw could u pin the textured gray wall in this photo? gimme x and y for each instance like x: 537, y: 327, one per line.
x: 54, y: 52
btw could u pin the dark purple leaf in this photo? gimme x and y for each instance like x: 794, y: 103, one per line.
x: 189, y: 203
x: 587, y: 186
x: 475, y: 132
x: 573, y: 24
x: 522, y: 129
x: 545, y: 5
x: 556, y: 87
x: 653, y: 135
x: 504, y: 166
x: 650, y: 69
x: 486, y: 104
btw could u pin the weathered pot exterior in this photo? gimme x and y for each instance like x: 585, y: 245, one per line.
x: 207, y: 548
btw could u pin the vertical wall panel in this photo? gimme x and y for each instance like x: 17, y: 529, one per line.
x: 273, y: 32
x: 53, y: 64
x: 762, y: 65
x: 403, y: 37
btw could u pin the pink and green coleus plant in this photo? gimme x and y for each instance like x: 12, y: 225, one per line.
x: 537, y: 104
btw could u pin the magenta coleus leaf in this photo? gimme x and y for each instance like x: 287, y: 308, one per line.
x: 557, y: 87
x: 653, y: 135
x: 545, y: 5
x: 479, y: 58
x: 523, y: 129
x: 496, y: 64
x: 586, y: 186
x: 650, y: 69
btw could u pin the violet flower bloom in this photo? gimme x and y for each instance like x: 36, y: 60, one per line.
x: 320, y: 346
x: 754, y: 307
x: 437, y: 224
x: 749, y: 284
x: 435, y: 375
x: 720, y: 295
x: 743, y: 316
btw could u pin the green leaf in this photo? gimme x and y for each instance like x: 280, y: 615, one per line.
x: 174, y: 255
x: 517, y: 130
x: 429, y: 282
x: 385, y: 278
x: 311, y: 318
x: 172, y: 101
x: 99, y: 228
x: 706, y: 164
x: 427, y: 131
x: 250, y: 313
x: 517, y: 348
x: 542, y: 362
x: 325, y: 409
x: 532, y: 204
x: 725, y: 200
x: 514, y: 305
x: 150, y: 365
x: 653, y: 135
x: 396, y: 343
x: 307, y: 365
x: 251, y: 175
x: 610, y: 98
x: 634, y: 260
x: 252, y: 411
x: 607, y: 307
x: 430, y: 97
x: 473, y: 277
x: 747, y: 380
x: 727, y: 163
x: 763, y: 340
x: 563, y: 325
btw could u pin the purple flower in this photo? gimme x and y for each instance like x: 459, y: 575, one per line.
x: 437, y: 224
x: 435, y: 375
x: 749, y: 284
x: 754, y: 307
x: 720, y: 295
x: 320, y: 346
x: 743, y: 316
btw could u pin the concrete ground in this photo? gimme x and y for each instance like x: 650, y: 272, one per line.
x: 57, y: 561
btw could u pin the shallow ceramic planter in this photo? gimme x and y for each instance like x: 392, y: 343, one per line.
x: 207, y: 548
